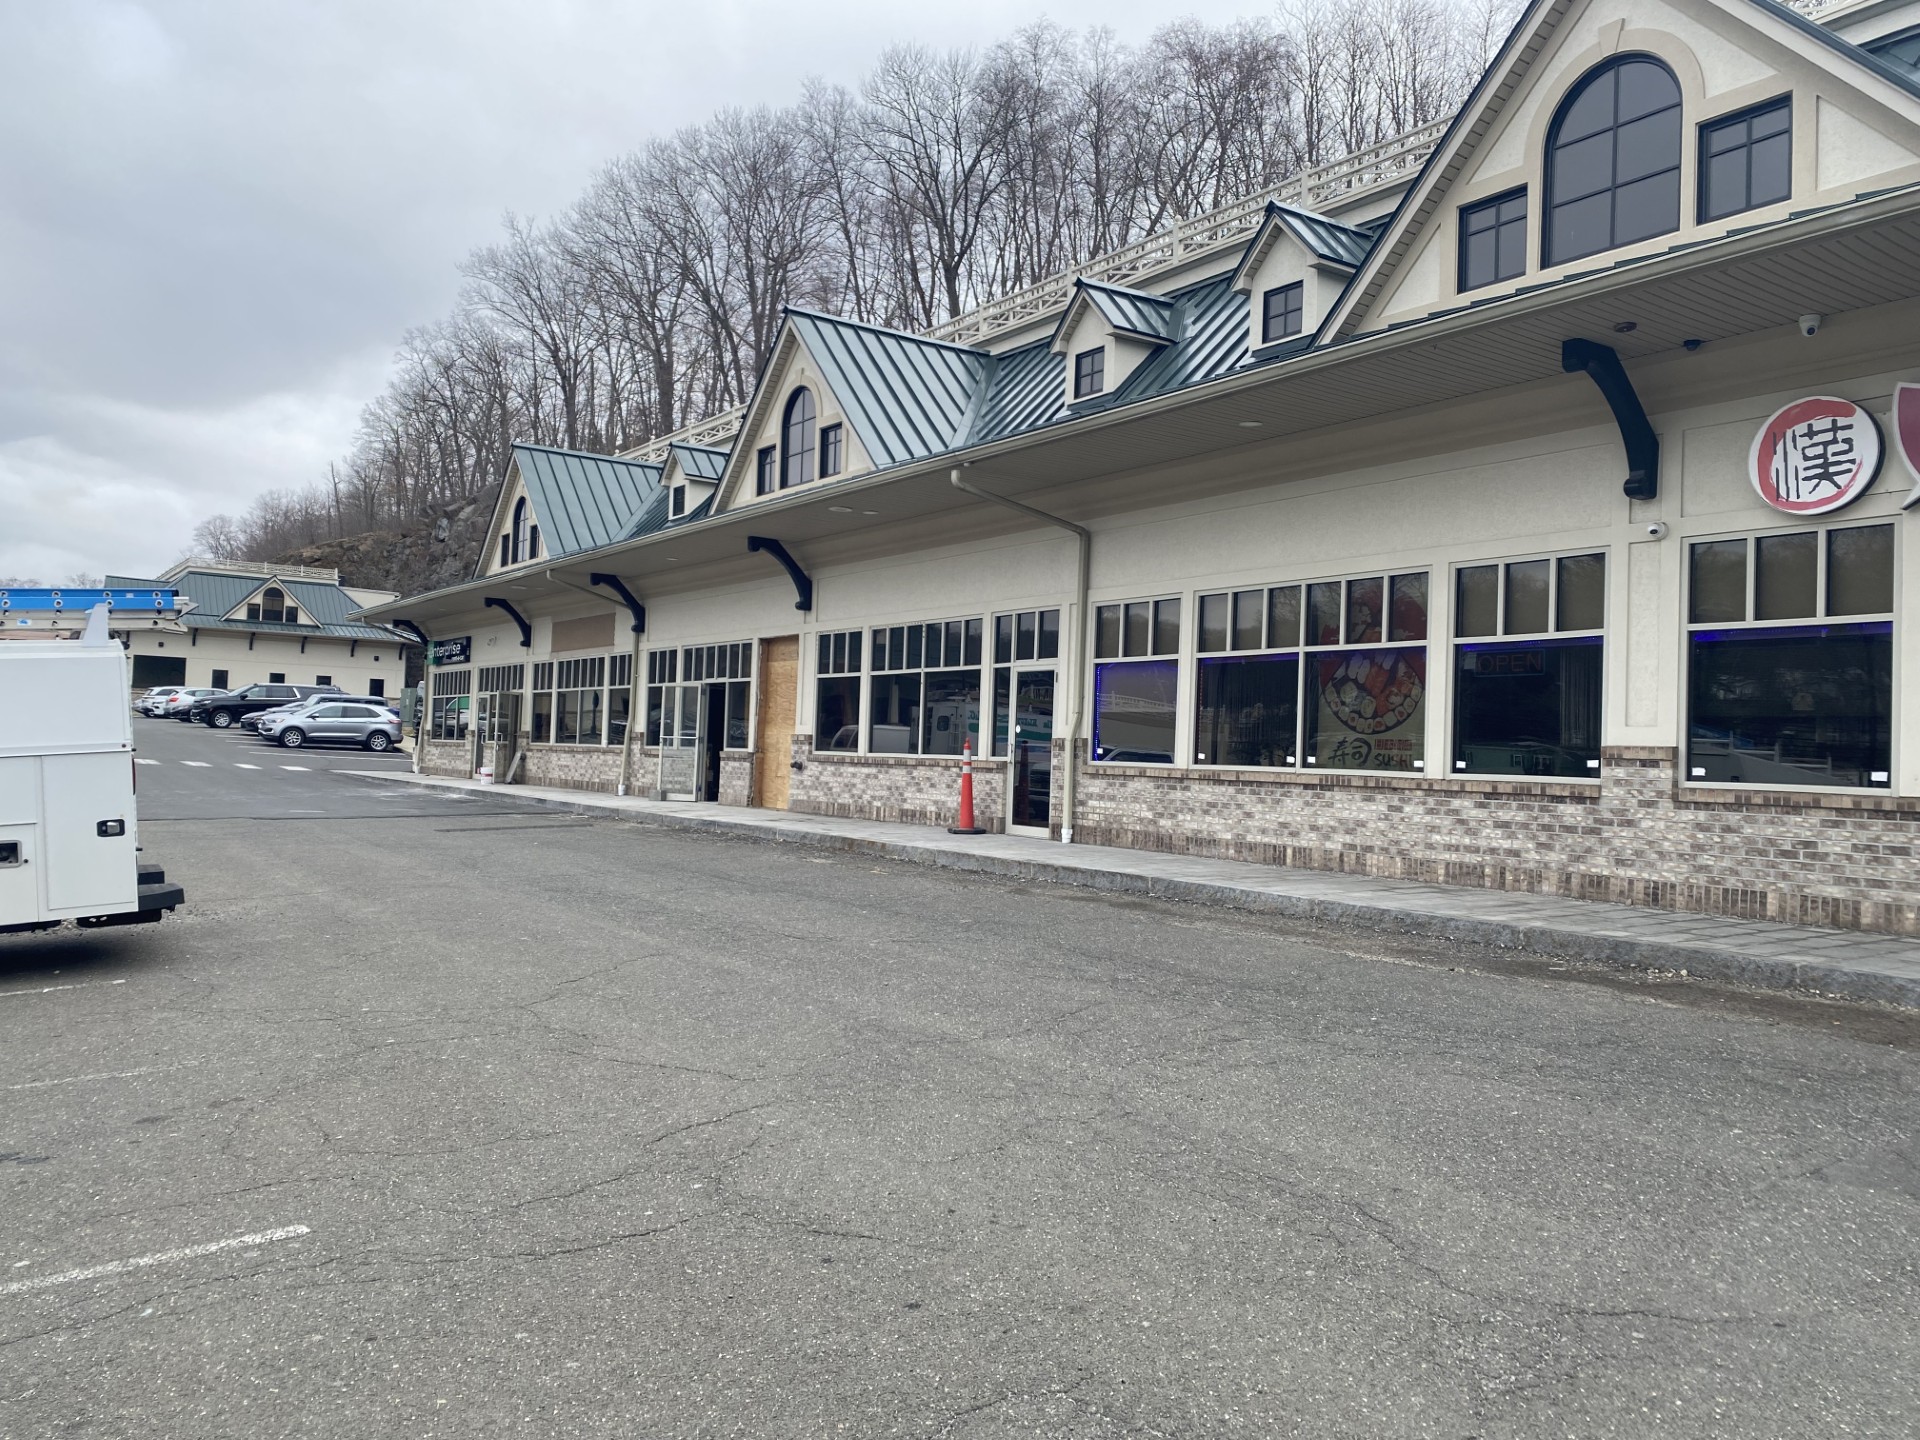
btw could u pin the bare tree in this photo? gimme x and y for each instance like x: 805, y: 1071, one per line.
x: 943, y: 180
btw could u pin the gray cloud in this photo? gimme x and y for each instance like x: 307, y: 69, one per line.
x: 219, y: 217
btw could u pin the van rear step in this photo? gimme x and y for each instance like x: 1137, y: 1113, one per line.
x: 155, y: 901
x: 152, y: 874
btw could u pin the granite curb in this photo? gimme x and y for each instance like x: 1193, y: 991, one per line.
x: 1388, y: 915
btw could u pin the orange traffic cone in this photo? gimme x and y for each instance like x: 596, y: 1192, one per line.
x: 964, y: 825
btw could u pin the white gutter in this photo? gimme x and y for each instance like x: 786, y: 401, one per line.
x: 1081, y: 630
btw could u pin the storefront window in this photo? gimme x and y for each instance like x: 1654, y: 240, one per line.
x: 730, y: 665
x: 836, y: 704
x: 452, y: 696
x: 579, y: 700
x: 1328, y: 703
x: 1529, y: 706
x: 1247, y: 707
x: 1790, y: 659
x: 1133, y: 711
x: 1248, y: 711
x: 1365, y: 708
x: 1134, y: 701
x: 924, y: 694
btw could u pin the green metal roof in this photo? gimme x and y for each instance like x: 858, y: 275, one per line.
x: 906, y: 397
x: 700, y: 462
x: 583, y: 501
x: 1131, y: 312
x: 324, y: 608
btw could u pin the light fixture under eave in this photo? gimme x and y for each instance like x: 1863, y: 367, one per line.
x: 1251, y: 424
x: 841, y: 509
x: 869, y: 512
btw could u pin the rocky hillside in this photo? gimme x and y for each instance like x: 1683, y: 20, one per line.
x: 442, y: 549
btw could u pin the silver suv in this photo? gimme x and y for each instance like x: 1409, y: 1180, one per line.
x: 328, y: 721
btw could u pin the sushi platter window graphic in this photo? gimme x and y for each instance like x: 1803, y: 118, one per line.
x: 1815, y: 455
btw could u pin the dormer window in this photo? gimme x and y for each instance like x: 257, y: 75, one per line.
x: 832, y: 450
x: 1282, y: 309
x: 272, y: 608
x: 765, y: 463
x: 1089, y: 372
x: 677, y: 504
x: 797, y: 440
x: 1613, y: 160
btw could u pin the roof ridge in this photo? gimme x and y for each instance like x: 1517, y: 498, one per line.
x: 1152, y: 295
x: 887, y: 331
x: 582, y: 454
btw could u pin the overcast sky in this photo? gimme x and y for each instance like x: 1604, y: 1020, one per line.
x: 220, y: 215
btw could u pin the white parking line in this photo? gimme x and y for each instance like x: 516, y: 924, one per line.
x: 49, y: 989
x: 146, y: 762
x: 293, y: 767
x: 164, y: 1257
x: 242, y: 765
x: 198, y: 764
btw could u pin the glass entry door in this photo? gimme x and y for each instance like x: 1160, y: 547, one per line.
x: 1030, y: 781
x: 680, y: 733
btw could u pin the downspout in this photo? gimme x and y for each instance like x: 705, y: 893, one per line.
x: 426, y: 688
x: 1081, y: 630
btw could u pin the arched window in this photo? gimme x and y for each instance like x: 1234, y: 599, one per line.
x: 518, y: 552
x: 797, y: 438
x: 273, y: 604
x: 1613, y: 160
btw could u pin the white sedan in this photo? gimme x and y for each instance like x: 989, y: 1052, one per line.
x: 176, y: 705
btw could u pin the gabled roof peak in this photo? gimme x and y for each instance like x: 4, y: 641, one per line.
x: 1135, y: 314
x: 800, y: 312
x: 1324, y: 239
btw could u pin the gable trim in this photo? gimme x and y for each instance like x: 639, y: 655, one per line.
x: 1530, y: 37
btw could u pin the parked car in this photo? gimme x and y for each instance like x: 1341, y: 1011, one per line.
x: 150, y: 703
x: 252, y: 722
x: 179, y: 704
x: 223, y: 711
x: 330, y: 722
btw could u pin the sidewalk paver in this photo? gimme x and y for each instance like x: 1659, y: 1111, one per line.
x: 1855, y: 965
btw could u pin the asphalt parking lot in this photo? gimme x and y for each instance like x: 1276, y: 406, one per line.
x: 438, y: 1116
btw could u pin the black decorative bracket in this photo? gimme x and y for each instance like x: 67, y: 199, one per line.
x: 413, y: 630
x: 526, y: 630
x: 1636, y: 431
x: 619, y: 587
x: 802, y: 582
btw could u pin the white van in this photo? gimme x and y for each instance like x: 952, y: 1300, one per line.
x: 69, y: 839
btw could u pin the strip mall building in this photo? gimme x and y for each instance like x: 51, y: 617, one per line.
x: 1520, y: 504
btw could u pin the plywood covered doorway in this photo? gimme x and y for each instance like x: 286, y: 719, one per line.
x: 773, y: 752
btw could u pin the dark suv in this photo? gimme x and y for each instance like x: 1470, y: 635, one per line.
x: 221, y: 711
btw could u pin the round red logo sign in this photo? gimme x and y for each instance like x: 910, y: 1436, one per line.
x: 1815, y: 455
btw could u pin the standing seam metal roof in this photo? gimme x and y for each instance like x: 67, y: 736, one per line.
x: 583, y: 501
x: 700, y: 462
x: 906, y: 397
x: 326, y: 606
x: 1213, y: 342
x: 1134, y: 312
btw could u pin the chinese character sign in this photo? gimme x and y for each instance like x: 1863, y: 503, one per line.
x: 1815, y: 455
x: 1906, y: 436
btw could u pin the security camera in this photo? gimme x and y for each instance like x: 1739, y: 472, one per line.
x: 1657, y: 530
x: 1810, y: 325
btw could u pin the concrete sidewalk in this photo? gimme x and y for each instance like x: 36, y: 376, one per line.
x: 1751, y: 952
